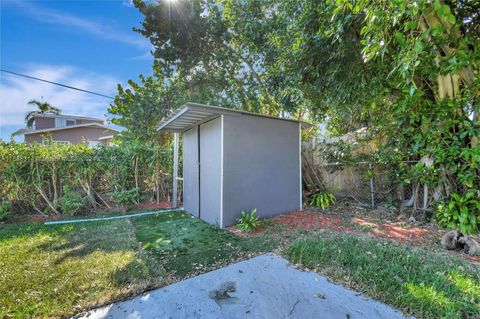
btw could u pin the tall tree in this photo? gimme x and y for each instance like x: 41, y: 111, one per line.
x: 406, y: 69
x: 42, y: 108
x: 225, y: 41
x: 409, y: 70
x: 142, y: 106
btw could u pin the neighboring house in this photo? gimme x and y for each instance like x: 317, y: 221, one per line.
x: 68, y: 129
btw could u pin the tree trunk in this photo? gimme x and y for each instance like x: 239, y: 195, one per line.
x: 45, y: 198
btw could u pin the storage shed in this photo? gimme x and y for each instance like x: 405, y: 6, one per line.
x: 236, y: 160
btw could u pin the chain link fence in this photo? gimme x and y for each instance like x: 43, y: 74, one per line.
x: 366, y: 184
x: 373, y: 185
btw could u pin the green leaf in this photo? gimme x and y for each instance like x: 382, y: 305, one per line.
x: 412, y: 90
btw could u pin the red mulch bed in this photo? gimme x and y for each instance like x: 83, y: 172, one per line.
x: 396, y: 231
x: 309, y: 220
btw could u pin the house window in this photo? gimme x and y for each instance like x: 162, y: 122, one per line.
x: 62, y: 122
x: 70, y: 122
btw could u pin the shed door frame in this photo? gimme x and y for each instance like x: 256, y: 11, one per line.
x: 199, y: 173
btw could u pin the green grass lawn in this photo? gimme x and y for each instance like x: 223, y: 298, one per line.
x: 58, y: 270
x: 425, y: 284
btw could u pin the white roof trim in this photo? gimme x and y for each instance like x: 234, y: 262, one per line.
x: 68, y: 128
x: 20, y: 131
x: 192, y: 114
x: 105, y: 137
x: 67, y: 116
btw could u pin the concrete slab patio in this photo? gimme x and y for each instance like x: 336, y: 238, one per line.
x: 262, y: 287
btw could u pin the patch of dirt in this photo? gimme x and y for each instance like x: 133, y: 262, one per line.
x: 238, y: 232
x: 30, y: 218
x: 379, y: 225
x: 160, y: 205
x: 38, y: 218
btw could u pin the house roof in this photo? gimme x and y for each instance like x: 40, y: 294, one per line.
x: 30, y: 131
x: 193, y: 114
x: 49, y: 115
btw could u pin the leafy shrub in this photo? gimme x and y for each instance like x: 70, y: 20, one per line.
x: 72, y: 201
x: 248, y: 221
x: 33, y: 176
x: 460, y: 212
x: 4, y: 210
x: 322, y: 200
x: 126, y: 198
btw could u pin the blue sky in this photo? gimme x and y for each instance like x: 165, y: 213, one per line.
x: 88, y: 44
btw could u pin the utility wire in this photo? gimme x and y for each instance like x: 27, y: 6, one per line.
x: 55, y: 83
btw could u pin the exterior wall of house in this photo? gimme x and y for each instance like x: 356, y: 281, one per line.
x: 261, y: 166
x: 84, y: 121
x: 190, y: 171
x: 44, y: 122
x: 49, y: 122
x: 73, y: 135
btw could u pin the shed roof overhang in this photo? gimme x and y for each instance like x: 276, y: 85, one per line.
x: 193, y: 114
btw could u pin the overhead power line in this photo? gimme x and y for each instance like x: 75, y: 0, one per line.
x: 56, y: 83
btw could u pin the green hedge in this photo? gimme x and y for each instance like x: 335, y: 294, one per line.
x: 69, y: 179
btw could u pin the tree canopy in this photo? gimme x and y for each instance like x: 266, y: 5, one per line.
x: 42, y: 108
x: 408, y: 70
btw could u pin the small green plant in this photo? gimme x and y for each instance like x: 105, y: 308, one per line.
x: 72, y: 201
x: 248, y: 221
x: 126, y: 198
x: 4, y: 210
x: 322, y: 200
x: 460, y: 212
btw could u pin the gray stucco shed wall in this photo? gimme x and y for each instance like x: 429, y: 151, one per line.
x: 210, y: 171
x: 190, y: 171
x: 246, y: 162
x: 261, y: 166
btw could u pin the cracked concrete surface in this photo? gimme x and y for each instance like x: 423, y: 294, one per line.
x: 262, y: 287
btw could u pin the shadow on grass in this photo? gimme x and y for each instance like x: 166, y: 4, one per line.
x: 74, y: 266
x: 185, y: 244
x: 76, y: 241
x: 109, y: 237
x: 12, y: 231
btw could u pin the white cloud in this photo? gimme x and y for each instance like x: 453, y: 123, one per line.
x: 127, y: 3
x: 105, y: 29
x: 15, y: 92
x: 147, y: 56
